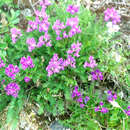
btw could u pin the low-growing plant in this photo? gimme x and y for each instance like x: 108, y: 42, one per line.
x: 8, y: 16
x: 61, y: 62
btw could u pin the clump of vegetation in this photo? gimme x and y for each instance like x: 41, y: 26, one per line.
x: 65, y: 62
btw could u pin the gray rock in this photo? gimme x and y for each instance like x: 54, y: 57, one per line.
x: 57, y: 126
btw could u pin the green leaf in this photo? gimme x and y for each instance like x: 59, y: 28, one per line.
x: 91, y: 125
x: 15, y: 21
x: 41, y: 110
x: 3, y: 45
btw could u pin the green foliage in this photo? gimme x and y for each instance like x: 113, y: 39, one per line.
x: 14, y: 110
x: 53, y: 94
x: 9, y: 18
x: 2, y: 2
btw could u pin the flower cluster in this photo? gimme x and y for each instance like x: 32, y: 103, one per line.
x: 26, y: 62
x: 32, y: 44
x: 42, y: 25
x: 59, y: 26
x: 26, y: 79
x: 12, y: 89
x: 69, y: 61
x: 73, y: 23
x: 111, y: 14
x: 1, y: 63
x: 41, y: 21
x: 111, y: 96
x: 75, y: 48
x: 42, y: 40
x: 92, y: 63
x: 11, y: 71
x: 56, y: 64
x: 97, y: 74
x: 15, y: 34
x: 72, y: 9
x: 100, y: 108
x: 45, y: 3
x: 127, y: 111
x: 73, y: 51
x: 79, y: 98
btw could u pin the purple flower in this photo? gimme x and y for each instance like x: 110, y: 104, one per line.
x: 47, y: 40
x: 109, y: 92
x: 111, y: 14
x: 33, y: 25
x: 75, y: 48
x: 86, y: 64
x: 70, y: 61
x: 79, y: 94
x: 74, y: 30
x: 1, y: 63
x: 97, y: 75
x: 96, y: 108
x: 76, y: 93
x: 115, y: 96
x: 80, y: 99
x: 111, y: 96
x: 125, y: 111
x: 26, y: 62
x: 32, y: 44
x: 82, y: 105
x: 58, y: 25
x: 101, y: 103
x: 104, y: 110
x: 72, y: 9
x: 42, y: 20
x: 45, y: 2
x: 55, y: 65
x: 11, y: 71
x: 41, y: 24
x: 26, y: 79
x: 46, y: 36
x: 128, y: 113
x: 92, y: 63
x: 86, y: 99
x: 65, y: 34
x: 49, y: 43
x: 72, y: 22
x: 15, y: 34
x: 58, y: 38
x: 44, y: 26
x: 128, y: 107
x: 40, y: 42
x: 12, y: 89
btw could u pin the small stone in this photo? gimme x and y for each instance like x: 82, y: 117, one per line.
x: 57, y: 126
x: 27, y: 12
